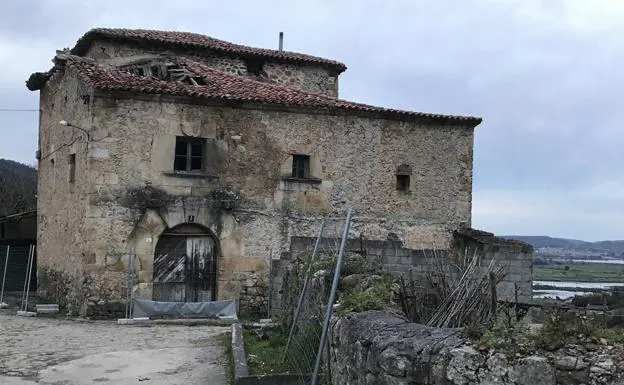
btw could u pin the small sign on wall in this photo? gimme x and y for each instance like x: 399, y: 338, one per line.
x: 148, y: 239
x: 191, y: 218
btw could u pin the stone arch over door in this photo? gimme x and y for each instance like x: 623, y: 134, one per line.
x: 185, y: 265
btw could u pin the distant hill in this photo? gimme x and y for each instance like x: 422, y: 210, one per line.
x: 574, y: 248
x: 18, y: 187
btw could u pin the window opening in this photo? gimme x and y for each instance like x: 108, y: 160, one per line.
x: 189, y: 154
x: 301, y: 166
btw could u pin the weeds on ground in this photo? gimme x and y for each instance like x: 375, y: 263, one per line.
x: 511, y: 339
x: 265, y: 352
x: 558, y: 330
x: 377, y: 296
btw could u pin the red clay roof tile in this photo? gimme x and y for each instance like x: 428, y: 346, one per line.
x: 220, y: 85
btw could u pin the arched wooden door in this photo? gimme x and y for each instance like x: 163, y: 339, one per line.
x: 185, y: 266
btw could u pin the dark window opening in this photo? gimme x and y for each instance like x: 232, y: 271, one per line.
x: 189, y: 154
x: 403, y: 182
x: 301, y: 166
x: 2, y: 231
x: 254, y: 66
x: 53, y: 172
x: 72, y: 168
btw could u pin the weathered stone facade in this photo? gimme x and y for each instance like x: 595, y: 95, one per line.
x: 120, y: 143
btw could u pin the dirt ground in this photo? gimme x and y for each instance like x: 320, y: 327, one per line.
x: 56, y: 351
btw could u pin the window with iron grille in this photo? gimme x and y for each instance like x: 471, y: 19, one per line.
x: 189, y: 154
x: 301, y: 166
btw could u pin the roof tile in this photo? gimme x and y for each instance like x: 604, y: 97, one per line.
x: 221, y: 85
x: 195, y: 40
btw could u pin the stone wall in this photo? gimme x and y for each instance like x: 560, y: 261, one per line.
x: 308, y: 77
x: 61, y: 205
x: 381, y: 349
x: 317, y: 79
x: 515, y: 257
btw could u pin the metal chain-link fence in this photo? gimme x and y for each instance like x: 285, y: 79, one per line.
x: 14, y: 273
x: 316, y: 273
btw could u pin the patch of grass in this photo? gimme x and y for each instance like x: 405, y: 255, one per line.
x: 582, y: 272
x: 265, y: 350
x: 264, y: 355
x: 510, y: 339
x: 612, y: 335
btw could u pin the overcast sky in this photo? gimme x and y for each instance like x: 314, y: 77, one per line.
x: 547, y: 77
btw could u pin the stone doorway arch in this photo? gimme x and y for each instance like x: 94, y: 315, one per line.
x: 185, y: 265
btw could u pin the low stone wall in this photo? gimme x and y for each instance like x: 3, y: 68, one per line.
x: 379, y: 348
x: 95, y: 294
x: 516, y: 257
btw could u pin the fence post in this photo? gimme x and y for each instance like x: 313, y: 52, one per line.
x: 6, y: 263
x: 32, y: 262
x: 332, y: 297
x: 604, y: 309
x: 494, y: 295
x: 270, y: 288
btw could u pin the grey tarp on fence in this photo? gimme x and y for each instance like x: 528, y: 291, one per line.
x: 214, y: 309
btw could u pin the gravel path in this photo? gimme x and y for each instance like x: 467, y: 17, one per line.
x: 41, y: 350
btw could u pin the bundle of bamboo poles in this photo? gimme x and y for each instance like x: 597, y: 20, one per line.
x: 458, y: 290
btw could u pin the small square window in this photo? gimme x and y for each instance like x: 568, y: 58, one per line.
x: 189, y: 154
x: 301, y: 166
x: 403, y: 183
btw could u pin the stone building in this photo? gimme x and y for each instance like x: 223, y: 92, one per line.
x: 204, y: 158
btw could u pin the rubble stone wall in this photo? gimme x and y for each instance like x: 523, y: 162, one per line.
x: 381, y: 349
x: 317, y: 79
x: 61, y: 206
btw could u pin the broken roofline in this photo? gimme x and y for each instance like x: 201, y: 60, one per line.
x: 187, y: 40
